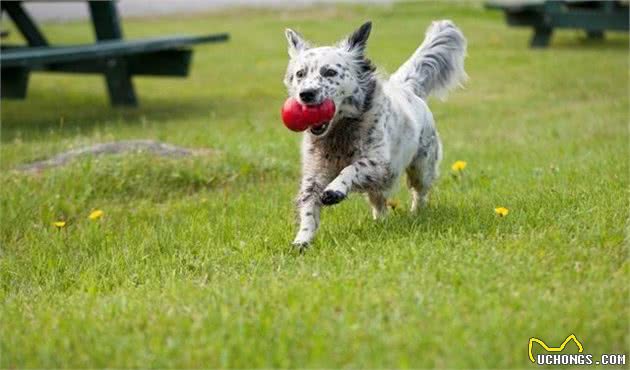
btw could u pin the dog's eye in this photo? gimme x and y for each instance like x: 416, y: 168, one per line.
x: 329, y: 73
x: 300, y: 74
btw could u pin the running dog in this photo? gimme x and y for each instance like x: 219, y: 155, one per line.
x: 382, y: 127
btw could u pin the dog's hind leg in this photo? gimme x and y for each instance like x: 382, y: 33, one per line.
x: 422, y: 172
x: 379, y: 204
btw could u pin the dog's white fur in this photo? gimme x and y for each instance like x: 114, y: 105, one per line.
x: 381, y: 126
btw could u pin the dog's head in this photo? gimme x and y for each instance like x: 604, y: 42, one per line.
x: 341, y: 73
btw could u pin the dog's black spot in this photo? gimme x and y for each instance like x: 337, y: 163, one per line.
x: 369, y: 94
x: 330, y: 197
x: 361, y: 163
x: 327, y: 71
x: 308, y: 214
x: 371, y: 162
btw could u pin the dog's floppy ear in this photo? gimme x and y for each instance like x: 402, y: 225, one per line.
x: 296, y: 42
x: 358, y: 40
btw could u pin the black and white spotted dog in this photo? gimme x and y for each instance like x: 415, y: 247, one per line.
x: 381, y: 127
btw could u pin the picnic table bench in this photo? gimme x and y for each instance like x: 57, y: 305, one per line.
x: 116, y: 59
x: 595, y: 17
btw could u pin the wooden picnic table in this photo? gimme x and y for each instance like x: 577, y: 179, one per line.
x: 112, y: 56
x: 595, y: 17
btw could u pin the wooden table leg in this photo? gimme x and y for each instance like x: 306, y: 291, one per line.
x: 107, y: 27
x: 15, y: 80
x: 541, y: 38
x: 24, y: 23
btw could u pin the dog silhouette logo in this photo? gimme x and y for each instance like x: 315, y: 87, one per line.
x: 553, y: 349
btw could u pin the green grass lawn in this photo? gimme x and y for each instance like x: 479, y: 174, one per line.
x: 191, y: 264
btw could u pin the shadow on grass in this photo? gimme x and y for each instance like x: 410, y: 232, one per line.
x: 582, y: 42
x: 431, y: 222
x: 43, y: 111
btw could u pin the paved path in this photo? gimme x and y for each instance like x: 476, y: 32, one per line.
x: 60, y: 12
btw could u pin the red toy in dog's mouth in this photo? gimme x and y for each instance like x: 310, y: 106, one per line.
x: 298, y: 117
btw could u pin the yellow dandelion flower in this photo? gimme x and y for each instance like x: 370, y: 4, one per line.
x: 59, y: 224
x: 458, y: 166
x: 95, y: 214
x: 501, y: 211
x: 393, y: 203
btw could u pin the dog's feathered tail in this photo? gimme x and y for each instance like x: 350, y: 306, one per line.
x: 437, y: 66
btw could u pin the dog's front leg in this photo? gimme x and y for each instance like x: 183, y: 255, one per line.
x: 308, y: 206
x: 365, y: 173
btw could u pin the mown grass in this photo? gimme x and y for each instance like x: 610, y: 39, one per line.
x: 191, y: 265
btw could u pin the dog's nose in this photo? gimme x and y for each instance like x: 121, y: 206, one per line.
x: 308, y: 96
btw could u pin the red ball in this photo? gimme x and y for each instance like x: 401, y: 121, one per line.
x: 292, y: 115
x: 298, y: 117
x: 319, y: 114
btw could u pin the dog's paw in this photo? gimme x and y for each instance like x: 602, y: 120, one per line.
x: 330, y: 197
x: 300, y: 245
